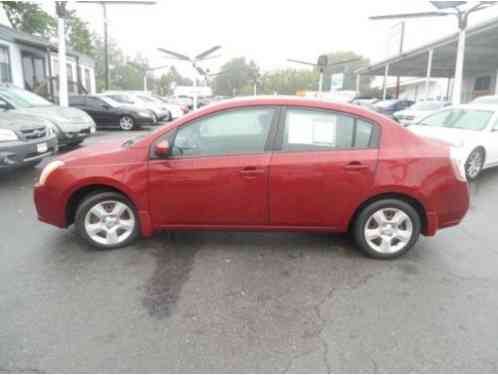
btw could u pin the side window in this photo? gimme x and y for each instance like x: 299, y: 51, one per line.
x: 94, y: 102
x: 310, y: 130
x: 243, y: 131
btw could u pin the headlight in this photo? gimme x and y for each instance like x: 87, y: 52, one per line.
x: 8, y: 135
x: 52, y: 166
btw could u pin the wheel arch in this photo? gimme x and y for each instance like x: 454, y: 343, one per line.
x: 83, y: 192
x: 415, y: 203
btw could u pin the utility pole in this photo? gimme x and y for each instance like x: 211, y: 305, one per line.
x: 106, y: 32
x: 60, y: 7
x: 106, y: 46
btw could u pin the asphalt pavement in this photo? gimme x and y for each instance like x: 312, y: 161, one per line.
x: 286, y: 302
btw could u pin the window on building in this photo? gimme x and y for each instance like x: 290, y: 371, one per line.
x: 482, y: 83
x: 5, y: 75
x: 88, y: 80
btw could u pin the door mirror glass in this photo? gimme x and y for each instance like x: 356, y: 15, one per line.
x: 162, y: 149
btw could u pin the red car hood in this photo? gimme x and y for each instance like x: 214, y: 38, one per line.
x: 107, y: 152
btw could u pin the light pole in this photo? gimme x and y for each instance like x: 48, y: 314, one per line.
x: 60, y: 7
x: 193, y: 60
x: 450, y: 8
x: 106, y: 35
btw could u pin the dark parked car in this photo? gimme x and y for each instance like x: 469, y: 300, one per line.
x: 108, y: 113
x: 388, y: 107
x: 24, y: 140
x: 261, y: 164
x: 71, y: 125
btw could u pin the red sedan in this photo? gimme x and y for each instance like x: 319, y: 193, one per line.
x: 256, y: 164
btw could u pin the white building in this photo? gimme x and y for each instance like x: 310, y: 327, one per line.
x: 30, y: 62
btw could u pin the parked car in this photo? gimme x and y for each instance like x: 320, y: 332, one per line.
x: 487, y: 99
x: 24, y: 140
x: 292, y: 164
x: 389, y: 107
x: 179, y: 109
x: 417, y: 111
x: 368, y: 103
x: 109, y: 113
x: 159, y: 111
x: 175, y: 111
x: 472, y: 129
x: 71, y: 125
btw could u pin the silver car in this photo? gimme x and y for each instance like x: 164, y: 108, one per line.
x: 24, y: 140
x: 71, y: 125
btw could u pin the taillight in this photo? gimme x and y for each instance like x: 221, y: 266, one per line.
x: 458, y: 164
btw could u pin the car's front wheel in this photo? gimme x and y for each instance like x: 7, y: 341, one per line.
x: 126, y: 123
x: 387, y: 228
x: 474, y: 164
x: 107, y: 220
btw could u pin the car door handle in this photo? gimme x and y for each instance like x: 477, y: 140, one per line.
x: 355, y: 166
x: 251, y: 171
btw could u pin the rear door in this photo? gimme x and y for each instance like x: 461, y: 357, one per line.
x: 323, y: 167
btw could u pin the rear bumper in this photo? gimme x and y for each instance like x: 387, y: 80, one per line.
x: 19, y: 153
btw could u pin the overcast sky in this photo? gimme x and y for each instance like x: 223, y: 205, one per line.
x: 267, y: 31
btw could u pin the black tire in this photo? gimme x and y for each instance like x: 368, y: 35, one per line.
x: 365, y: 215
x: 92, y: 200
x: 472, y: 171
x: 126, y: 123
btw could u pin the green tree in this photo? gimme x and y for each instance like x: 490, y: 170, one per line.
x: 289, y: 81
x: 30, y: 18
x: 78, y: 34
x: 237, y: 77
x: 172, y: 77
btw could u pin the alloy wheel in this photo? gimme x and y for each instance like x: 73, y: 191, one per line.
x: 388, y: 230
x: 126, y: 123
x: 474, y: 164
x: 110, y: 222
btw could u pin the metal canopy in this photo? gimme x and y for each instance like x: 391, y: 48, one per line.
x: 481, y: 55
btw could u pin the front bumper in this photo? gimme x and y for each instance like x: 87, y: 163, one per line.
x: 145, y: 120
x: 71, y: 137
x: 19, y: 153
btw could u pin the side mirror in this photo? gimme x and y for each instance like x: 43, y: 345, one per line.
x: 162, y: 149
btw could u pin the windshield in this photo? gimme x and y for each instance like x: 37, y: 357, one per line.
x: 20, y: 98
x: 427, y: 106
x: 486, y: 100
x: 466, y: 119
x: 109, y: 101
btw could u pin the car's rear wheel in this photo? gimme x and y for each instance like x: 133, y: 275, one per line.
x: 474, y: 164
x: 126, y: 123
x: 387, y: 228
x: 107, y: 220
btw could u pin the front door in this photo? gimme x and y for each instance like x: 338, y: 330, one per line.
x: 326, y: 164
x: 217, y: 173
